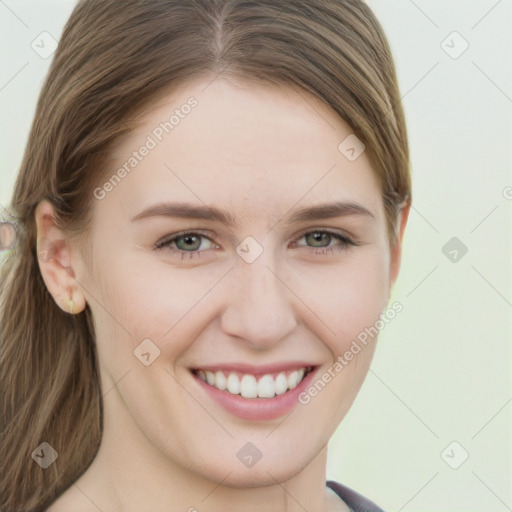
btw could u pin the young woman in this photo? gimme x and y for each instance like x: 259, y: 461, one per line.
x: 210, y: 212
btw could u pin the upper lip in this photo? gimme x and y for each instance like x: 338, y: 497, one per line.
x: 253, y: 369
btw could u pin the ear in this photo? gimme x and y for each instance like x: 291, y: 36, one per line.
x: 55, y: 260
x: 396, y: 250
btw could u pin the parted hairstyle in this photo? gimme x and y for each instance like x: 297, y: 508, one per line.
x: 116, y: 57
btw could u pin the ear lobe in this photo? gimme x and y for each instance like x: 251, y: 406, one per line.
x: 54, y: 257
x: 396, y: 250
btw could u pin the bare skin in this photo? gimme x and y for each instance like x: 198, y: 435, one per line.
x: 260, y: 154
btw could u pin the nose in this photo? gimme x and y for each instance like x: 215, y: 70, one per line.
x: 259, y: 306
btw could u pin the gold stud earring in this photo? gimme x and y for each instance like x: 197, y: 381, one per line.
x: 71, y: 306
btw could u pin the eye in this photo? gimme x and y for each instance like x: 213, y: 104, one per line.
x: 187, y: 244
x: 321, y: 238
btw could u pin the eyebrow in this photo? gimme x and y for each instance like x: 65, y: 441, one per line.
x: 310, y: 213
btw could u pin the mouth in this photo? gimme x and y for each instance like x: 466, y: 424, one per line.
x: 255, y: 394
x: 253, y: 385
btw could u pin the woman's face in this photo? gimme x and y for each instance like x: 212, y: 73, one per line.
x: 254, y: 289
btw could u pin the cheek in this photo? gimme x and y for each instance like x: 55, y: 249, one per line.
x: 158, y: 301
x: 349, y: 299
x: 346, y: 297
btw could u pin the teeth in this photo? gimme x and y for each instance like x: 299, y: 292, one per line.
x: 281, y: 384
x: 293, y: 378
x: 249, y: 387
x: 220, y: 381
x: 210, y: 378
x: 233, y: 384
x: 266, y: 387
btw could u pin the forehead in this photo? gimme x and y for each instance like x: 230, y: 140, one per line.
x: 255, y: 148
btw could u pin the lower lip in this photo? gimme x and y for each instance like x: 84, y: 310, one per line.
x: 257, y: 409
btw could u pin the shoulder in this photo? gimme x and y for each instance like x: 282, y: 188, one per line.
x: 356, y: 501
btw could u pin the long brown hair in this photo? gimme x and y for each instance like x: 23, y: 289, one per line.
x: 115, y: 58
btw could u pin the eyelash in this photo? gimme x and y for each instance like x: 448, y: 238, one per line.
x: 346, y: 242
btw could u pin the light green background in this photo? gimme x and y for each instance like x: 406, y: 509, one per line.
x: 443, y: 366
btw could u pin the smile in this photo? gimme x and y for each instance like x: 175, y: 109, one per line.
x: 249, y: 385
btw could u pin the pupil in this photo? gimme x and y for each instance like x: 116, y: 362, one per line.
x: 189, y: 241
x: 317, y: 236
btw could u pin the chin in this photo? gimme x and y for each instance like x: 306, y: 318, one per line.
x: 242, y: 479
x: 260, y: 475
